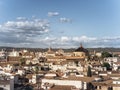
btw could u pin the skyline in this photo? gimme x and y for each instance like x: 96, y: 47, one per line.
x: 60, y: 24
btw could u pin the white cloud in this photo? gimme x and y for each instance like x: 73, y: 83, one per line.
x: 65, y: 41
x: 21, y: 18
x: 111, y: 38
x: 83, y: 39
x: 65, y: 38
x: 70, y: 42
x: 50, y: 14
x: 19, y: 31
x: 24, y: 32
x: 26, y: 27
x: 63, y: 20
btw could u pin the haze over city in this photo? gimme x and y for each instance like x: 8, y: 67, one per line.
x: 60, y: 23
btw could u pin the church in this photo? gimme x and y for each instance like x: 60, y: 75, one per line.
x: 77, y: 55
x: 81, y: 52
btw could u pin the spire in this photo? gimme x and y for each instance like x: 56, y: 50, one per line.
x: 49, y: 49
x: 81, y: 45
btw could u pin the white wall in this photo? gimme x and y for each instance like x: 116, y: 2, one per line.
x: 6, y: 87
x: 12, y: 83
x: 77, y: 84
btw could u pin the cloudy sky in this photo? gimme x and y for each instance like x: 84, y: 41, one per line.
x: 60, y: 23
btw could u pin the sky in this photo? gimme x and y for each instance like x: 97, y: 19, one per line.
x: 60, y: 23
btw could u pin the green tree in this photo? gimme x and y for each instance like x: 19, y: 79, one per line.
x: 30, y: 65
x: 106, y: 54
x: 89, y: 73
x: 107, y: 65
x: 22, y: 61
x: 28, y: 87
x: 36, y: 69
x: 90, y: 86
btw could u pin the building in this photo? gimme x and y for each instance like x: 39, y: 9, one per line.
x: 81, y: 52
x: 77, y: 82
x: 6, y: 82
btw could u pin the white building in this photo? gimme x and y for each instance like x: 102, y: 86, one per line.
x: 13, y: 53
x: 7, y: 83
x: 78, y: 82
x: 112, y: 59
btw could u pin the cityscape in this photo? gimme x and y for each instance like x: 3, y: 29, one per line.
x: 59, y: 45
x: 77, y: 69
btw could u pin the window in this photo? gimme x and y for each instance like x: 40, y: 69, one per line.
x: 95, y: 87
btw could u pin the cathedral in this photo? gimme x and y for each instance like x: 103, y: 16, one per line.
x: 81, y: 52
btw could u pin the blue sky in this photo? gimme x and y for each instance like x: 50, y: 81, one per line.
x: 60, y: 23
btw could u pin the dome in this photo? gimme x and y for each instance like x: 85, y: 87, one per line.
x: 81, y: 49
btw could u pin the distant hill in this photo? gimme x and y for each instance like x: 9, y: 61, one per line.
x: 104, y: 49
x: 55, y: 49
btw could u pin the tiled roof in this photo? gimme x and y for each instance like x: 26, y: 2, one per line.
x: 114, y: 75
x: 2, y: 82
x: 115, y: 85
x: 83, y: 79
x: 102, y: 83
x: 61, y: 87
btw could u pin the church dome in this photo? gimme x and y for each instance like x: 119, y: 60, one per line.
x: 81, y: 49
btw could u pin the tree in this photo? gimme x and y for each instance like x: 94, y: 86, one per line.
x: 95, y: 58
x: 22, y: 61
x: 106, y: 54
x: 107, y: 65
x: 90, y: 86
x: 30, y: 65
x: 28, y: 87
x: 89, y: 73
x: 36, y: 69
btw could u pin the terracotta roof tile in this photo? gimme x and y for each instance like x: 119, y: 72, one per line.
x: 61, y: 87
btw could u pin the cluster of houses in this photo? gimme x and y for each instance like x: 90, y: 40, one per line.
x: 58, y: 70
